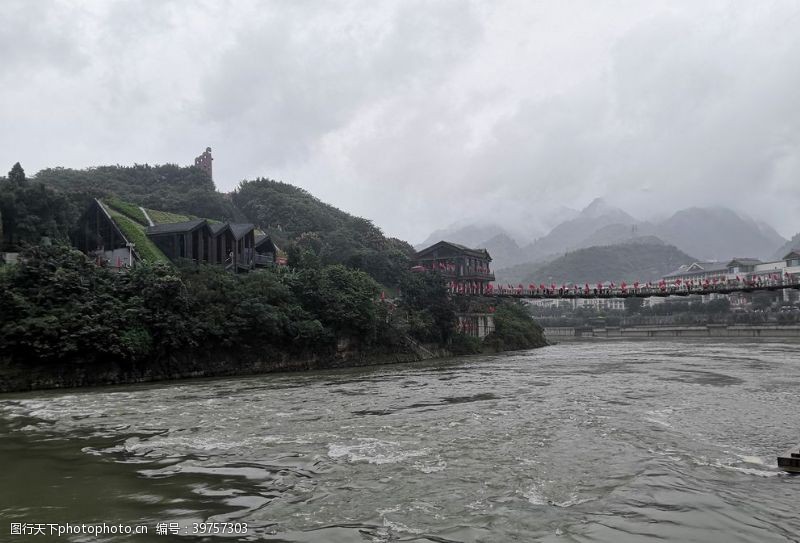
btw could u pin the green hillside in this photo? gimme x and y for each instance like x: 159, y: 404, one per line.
x: 59, y: 309
x: 312, y: 232
x: 625, y: 262
x: 315, y: 231
x: 183, y: 190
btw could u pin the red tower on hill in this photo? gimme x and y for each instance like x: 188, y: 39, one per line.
x: 204, y: 162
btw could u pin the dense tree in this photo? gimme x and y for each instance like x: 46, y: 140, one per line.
x: 514, y: 329
x: 58, y: 307
x: 633, y: 305
x: 17, y: 176
x: 31, y: 211
x: 293, y: 215
x: 431, y: 312
x: 167, y: 187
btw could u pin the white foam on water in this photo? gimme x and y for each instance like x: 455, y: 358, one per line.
x: 534, y: 496
x: 431, y: 467
x: 729, y: 466
x: 373, y: 451
x: 393, y: 509
x: 573, y: 500
x: 659, y: 416
x: 395, y: 526
x: 750, y: 471
x: 752, y: 459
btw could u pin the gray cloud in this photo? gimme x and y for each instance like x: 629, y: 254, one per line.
x: 420, y: 114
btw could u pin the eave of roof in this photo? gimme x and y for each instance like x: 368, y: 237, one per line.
x: 745, y: 261
x: 175, y: 228
x: 239, y: 230
x: 479, y: 253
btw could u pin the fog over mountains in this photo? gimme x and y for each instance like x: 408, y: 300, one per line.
x: 705, y: 233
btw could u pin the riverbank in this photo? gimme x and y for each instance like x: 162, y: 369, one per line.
x: 18, y: 378
x: 66, y: 322
x: 700, y: 331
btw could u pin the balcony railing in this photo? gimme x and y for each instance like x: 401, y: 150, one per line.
x: 463, y: 273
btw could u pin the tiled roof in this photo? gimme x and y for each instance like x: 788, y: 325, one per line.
x: 174, y: 228
x: 745, y: 261
x: 264, y: 239
x: 700, y: 268
x: 217, y: 227
x: 241, y: 229
x: 480, y: 253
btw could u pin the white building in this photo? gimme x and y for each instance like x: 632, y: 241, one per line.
x: 744, y: 269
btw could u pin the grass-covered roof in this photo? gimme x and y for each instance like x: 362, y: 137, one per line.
x: 133, y: 224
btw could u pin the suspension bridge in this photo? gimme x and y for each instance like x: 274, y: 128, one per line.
x: 635, y: 290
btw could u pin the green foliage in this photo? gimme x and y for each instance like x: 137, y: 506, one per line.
x: 132, y: 211
x: 165, y: 217
x: 514, y: 329
x: 31, y: 211
x: 168, y: 187
x: 763, y: 300
x: 343, y: 298
x: 58, y: 307
x: 633, y: 305
x: 137, y: 342
x: 295, y: 217
x: 135, y: 233
x: 461, y: 344
x: 430, y: 312
x: 17, y: 176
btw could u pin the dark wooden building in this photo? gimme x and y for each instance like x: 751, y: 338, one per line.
x: 97, y: 234
x: 244, y: 236
x: 222, y: 242
x: 266, y: 251
x: 106, y: 233
x: 189, y: 240
x: 465, y: 270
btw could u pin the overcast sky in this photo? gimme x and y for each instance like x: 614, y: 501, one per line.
x: 420, y: 114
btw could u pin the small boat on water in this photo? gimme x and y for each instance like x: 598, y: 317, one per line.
x: 790, y: 460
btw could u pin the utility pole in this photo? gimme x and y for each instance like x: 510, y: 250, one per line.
x: 130, y: 247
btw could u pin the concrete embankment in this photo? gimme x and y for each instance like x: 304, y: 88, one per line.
x: 696, y: 331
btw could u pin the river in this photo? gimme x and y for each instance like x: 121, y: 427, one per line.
x: 596, y: 441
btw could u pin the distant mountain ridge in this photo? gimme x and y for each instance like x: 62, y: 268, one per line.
x: 713, y: 233
x: 790, y: 245
x: 647, y: 259
x: 718, y: 233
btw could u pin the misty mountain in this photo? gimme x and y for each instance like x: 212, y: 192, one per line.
x: 715, y: 233
x: 718, y: 233
x: 471, y: 235
x: 499, y: 242
x: 619, y: 233
x: 504, y: 251
x: 790, y: 245
x: 574, y: 233
x: 645, y: 259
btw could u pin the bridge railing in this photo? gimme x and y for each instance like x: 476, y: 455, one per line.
x: 643, y: 291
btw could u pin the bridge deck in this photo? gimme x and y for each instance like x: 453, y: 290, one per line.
x: 640, y: 292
